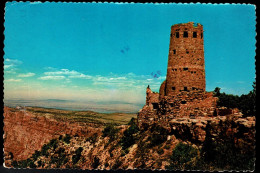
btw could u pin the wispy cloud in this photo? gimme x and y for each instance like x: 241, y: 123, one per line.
x: 11, y: 64
x: 13, y: 80
x: 52, y: 77
x: 66, y: 73
x: 13, y: 61
x: 110, y: 81
x: 128, y: 81
x: 62, y: 72
x: 26, y: 74
x: 80, y: 75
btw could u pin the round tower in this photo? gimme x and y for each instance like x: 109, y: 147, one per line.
x: 186, y: 68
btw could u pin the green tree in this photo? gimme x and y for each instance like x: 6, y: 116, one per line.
x: 246, y: 102
x: 217, y: 91
x: 183, y: 157
x: 128, y: 138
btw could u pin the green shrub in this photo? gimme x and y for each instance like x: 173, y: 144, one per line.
x: 31, y: 164
x: 128, y: 139
x: 95, y: 163
x: 67, y: 138
x: 39, y: 163
x: 158, y: 135
x: 160, y: 151
x: 106, y: 164
x: 65, y: 160
x: 36, y: 155
x: 11, y: 155
x: 111, y: 131
x: 76, y: 157
x: 54, y: 159
x: 167, y: 147
x: 117, y: 164
x: 182, y: 157
x: 92, y: 139
x: 60, y: 151
x: 224, y: 154
x: 53, y: 143
x: 44, y: 150
x: 60, y: 137
x: 246, y: 102
x: 15, y: 164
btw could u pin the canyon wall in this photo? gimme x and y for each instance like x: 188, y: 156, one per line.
x: 25, y: 132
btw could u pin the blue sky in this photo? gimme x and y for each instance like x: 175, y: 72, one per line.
x: 104, y: 51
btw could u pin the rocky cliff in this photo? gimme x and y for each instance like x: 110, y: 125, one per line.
x: 200, y: 142
x: 25, y: 132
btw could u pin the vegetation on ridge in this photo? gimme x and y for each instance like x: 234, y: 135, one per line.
x: 246, y: 102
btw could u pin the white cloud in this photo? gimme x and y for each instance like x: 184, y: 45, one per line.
x: 67, y: 73
x: 11, y: 64
x: 11, y: 71
x: 62, y: 72
x: 110, y: 79
x: 128, y: 81
x: 8, y: 66
x: 26, y: 75
x: 13, y: 61
x: 52, y: 77
x: 81, y: 75
x: 13, y: 80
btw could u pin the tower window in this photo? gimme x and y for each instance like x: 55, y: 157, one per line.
x: 174, y: 51
x: 194, y: 34
x: 185, y: 68
x: 171, y: 34
x: 185, y: 89
x: 201, y: 35
x: 173, y: 88
x: 185, y: 34
x: 177, y: 35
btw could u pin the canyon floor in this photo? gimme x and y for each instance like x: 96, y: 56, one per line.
x: 50, y: 138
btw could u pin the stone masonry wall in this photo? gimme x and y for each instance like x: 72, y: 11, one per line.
x: 186, y: 69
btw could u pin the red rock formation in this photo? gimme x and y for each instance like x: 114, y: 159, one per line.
x: 25, y: 132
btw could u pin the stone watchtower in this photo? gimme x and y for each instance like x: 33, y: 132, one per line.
x: 186, y: 68
x: 183, y: 92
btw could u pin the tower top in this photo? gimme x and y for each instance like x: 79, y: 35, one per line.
x: 195, y: 25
